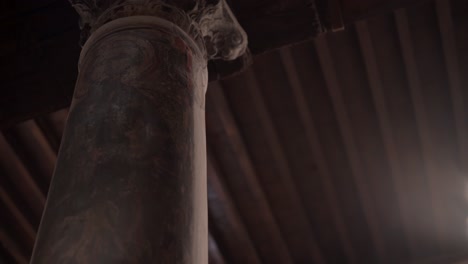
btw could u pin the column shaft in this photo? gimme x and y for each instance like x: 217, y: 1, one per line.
x: 130, y: 180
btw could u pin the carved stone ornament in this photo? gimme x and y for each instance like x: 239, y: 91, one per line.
x: 209, y: 22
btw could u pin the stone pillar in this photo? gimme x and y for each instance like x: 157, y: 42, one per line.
x: 130, y: 181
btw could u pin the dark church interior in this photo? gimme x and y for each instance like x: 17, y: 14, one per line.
x: 339, y: 136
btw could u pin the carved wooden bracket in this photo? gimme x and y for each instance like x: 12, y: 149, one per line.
x: 209, y: 22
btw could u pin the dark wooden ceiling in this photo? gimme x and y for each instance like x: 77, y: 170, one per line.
x: 351, y: 148
x: 39, y: 47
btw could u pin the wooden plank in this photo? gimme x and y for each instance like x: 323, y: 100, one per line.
x: 454, y: 75
x: 446, y: 258
x: 53, y: 125
x: 20, y: 176
x: 344, y: 121
x: 441, y: 125
x: 227, y: 145
x: 332, y: 147
x: 25, y: 231
x: 224, y: 220
x: 12, y: 248
x: 271, y: 164
x: 422, y: 120
x: 319, y: 156
x: 357, y: 10
x: 379, y: 100
x: 215, y: 256
x: 34, y: 150
x: 354, y: 87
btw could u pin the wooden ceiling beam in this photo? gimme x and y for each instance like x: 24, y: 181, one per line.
x: 215, y: 256
x: 426, y: 62
x: 224, y: 137
x: 37, y: 149
x: 272, y: 166
x: 23, y: 229
x: 422, y: 119
x: 52, y: 125
x: 380, y: 103
x: 352, y: 151
x: 319, y: 155
x: 225, y: 223
x: 21, y: 178
x: 12, y: 248
x: 354, y: 10
x: 454, y: 77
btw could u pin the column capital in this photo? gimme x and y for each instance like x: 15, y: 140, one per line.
x: 210, y: 23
